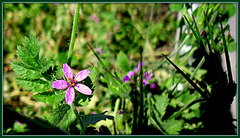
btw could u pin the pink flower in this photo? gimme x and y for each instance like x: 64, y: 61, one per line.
x: 95, y: 18
x: 145, y: 82
x: 62, y: 84
x: 139, y: 65
x: 99, y: 50
x: 148, y: 77
x: 153, y: 85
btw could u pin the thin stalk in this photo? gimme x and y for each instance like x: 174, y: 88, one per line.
x: 174, y: 52
x: 73, y: 35
x: 141, y: 92
x: 188, y: 79
x: 176, y: 114
x: 135, y: 102
x: 226, y: 55
x: 114, y: 126
x: 78, y: 117
x: 210, y: 31
x: 194, y: 21
x: 197, y: 36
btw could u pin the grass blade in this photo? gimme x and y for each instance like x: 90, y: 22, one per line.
x: 188, y: 79
x: 226, y: 55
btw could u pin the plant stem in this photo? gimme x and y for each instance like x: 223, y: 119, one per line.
x: 140, y: 121
x: 230, y: 78
x: 188, y: 79
x: 78, y: 117
x: 73, y: 35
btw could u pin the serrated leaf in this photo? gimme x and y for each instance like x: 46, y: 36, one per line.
x: 49, y: 97
x: 31, y: 45
x: 123, y: 62
x: 24, y: 71
x: 67, y: 119
x: 161, y: 104
x: 172, y: 126
x: 34, y: 85
x: 94, y: 118
x: 58, y: 114
x: 26, y: 57
x: 46, y: 64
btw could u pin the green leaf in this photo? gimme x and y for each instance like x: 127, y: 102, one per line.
x: 201, y: 19
x: 46, y: 64
x: 26, y: 57
x: 172, y: 126
x: 34, y: 85
x: 67, y: 119
x: 161, y: 104
x: 62, y: 116
x: 176, y: 7
x: 94, y: 118
x: 49, y: 97
x: 230, y: 8
x: 123, y: 62
x: 24, y: 71
x: 31, y: 45
x: 31, y: 69
x: 92, y: 75
x: 232, y: 47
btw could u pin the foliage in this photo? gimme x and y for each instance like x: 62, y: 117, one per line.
x: 110, y: 46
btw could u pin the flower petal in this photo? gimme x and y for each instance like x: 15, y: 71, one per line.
x: 146, y: 74
x: 70, y: 95
x: 83, y: 89
x: 139, y: 65
x: 130, y: 73
x: 67, y: 71
x: 145, y: 82
x: 82, y: 75
x: 60, y: 84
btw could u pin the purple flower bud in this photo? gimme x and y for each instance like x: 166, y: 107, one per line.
x: 203, y: 33
x: 153, y: 85
x: 120, y: 112
x: 126, y: 79
x: 144, y: 82
x: 146, y: 74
